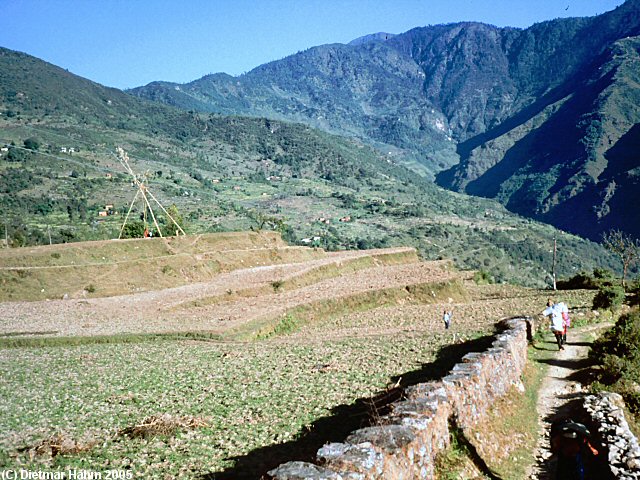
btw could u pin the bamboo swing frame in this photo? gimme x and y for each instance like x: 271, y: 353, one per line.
x: 144, y: 192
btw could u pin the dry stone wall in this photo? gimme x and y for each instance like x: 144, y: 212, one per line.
x: 622, y: 446
x: 405, y: 443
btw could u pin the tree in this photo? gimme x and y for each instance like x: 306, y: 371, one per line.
x: 169, y: 220
x: 265, y: 221
x: 624, y: 247
x: 32, y: 143
x: 133, y: 230
x: 16, y: 155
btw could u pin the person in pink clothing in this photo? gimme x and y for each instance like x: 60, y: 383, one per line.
x: 565, y: 318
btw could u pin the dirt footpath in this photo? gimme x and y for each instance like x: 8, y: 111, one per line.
x: 561, y: 393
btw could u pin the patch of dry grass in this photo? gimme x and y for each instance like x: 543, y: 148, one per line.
x: 58, y: 444
x: 163, y: 425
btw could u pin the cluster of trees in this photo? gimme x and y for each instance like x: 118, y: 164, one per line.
x: 17, y: 234
x: 611, y: 291
x: 136, y: 228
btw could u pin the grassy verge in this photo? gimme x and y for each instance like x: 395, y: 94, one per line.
x: 12, y: 341
x: 455, y: 462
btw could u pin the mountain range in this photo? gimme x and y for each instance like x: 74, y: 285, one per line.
x: 544, y: 119
x: 60, y: 181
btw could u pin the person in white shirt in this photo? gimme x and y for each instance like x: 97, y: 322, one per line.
x: 557, y: 322
x: 446, y: 317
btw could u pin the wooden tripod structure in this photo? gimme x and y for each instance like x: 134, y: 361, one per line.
x: 144, y: 193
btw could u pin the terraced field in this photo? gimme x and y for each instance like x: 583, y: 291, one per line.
x: 228, y: 377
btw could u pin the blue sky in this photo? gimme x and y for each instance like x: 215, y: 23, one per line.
x: 127, y: 43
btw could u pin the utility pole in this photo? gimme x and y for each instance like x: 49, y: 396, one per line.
x: 555, y: 251
x: 49, y: 232
x: 6, y: 236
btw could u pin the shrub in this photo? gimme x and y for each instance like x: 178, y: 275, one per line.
x: 618, y: 352
x: 634, y: 290
x: 608, y: 297
x: 580, y: 280
x: 167, y: 269
x: 482, y: 277
x: 133, y: 230
x: 603, y: 275
x: 32, y: 143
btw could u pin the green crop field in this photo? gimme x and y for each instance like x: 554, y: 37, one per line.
x: 89, y: 399
x: 177, y: 408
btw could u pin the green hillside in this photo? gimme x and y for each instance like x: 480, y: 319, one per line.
x: 227, y: 173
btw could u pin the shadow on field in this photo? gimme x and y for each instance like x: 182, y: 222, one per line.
x: 345, y: 418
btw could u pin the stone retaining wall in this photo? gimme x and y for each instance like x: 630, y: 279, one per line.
x: 405, y: 443
x: 607, y: 414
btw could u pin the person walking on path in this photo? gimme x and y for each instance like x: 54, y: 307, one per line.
x: 554, y: 310
x: 446, y: 317
x: 576, y: 457
x: 565, y: 318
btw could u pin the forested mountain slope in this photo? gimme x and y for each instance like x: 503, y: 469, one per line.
x: 465, y: 101
x: 58, y: 172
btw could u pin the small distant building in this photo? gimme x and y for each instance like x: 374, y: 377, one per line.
x: 346, y: 219
x: 237, y: 188
x: 108, y: 175
x: 102, y: 213
x: 63, y: 149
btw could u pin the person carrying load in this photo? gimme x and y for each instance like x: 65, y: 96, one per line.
x: 554, y: 310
